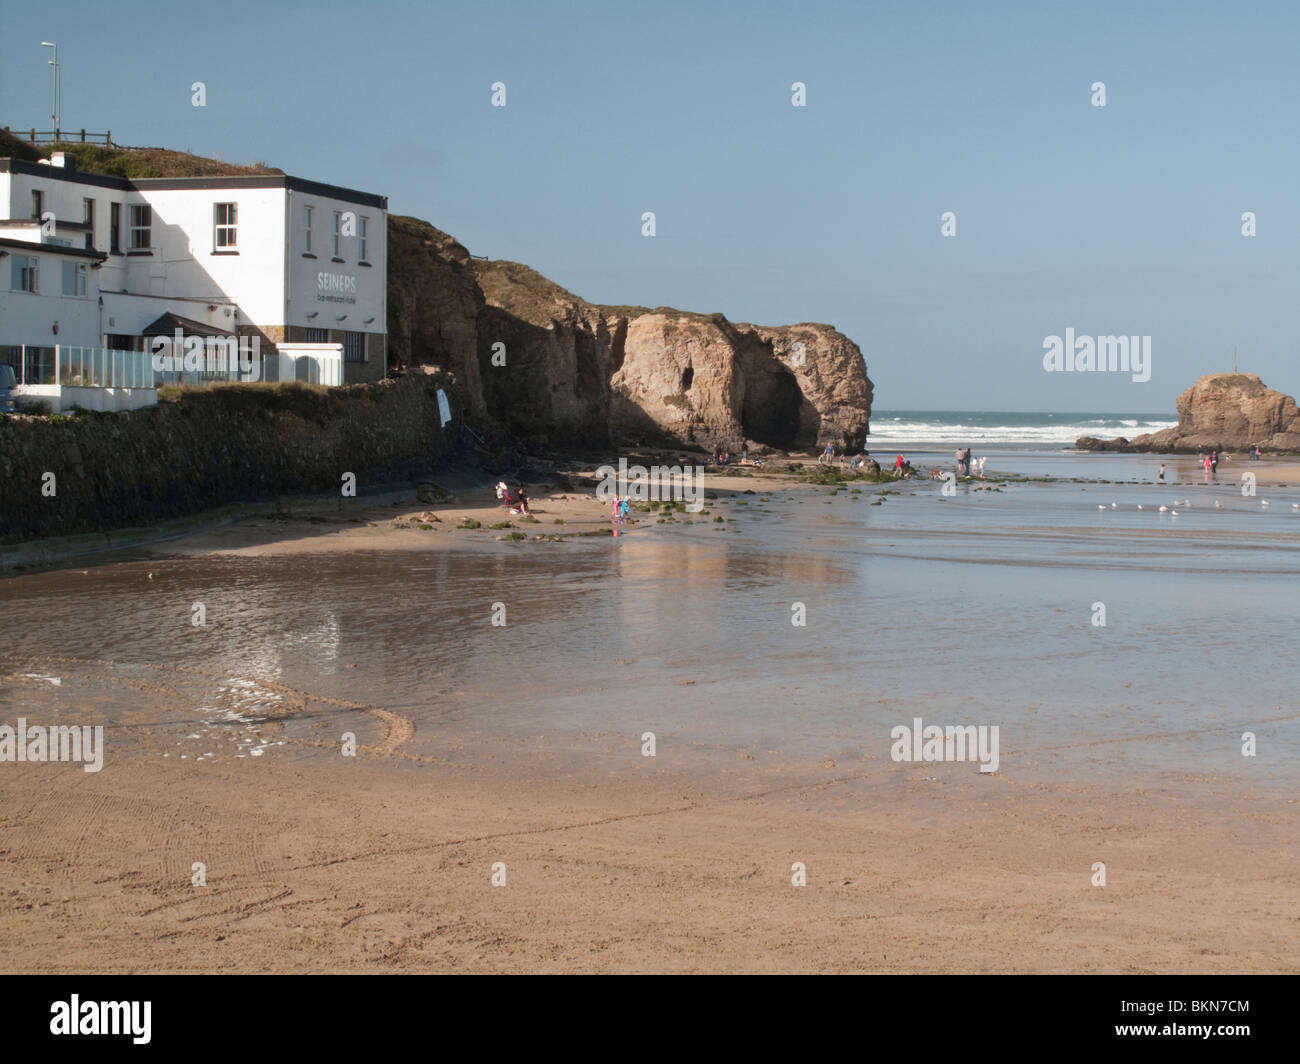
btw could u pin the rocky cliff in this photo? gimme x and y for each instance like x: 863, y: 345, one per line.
x: 1222, y: 411
x: 547, y: 366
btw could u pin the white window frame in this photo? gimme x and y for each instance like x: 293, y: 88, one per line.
x: 361, y: 237
x: 146, y: 228
x: 78, y: 278
x: 38, y: 203
x: 28, y: 268
x: 338, y: 233
x: 225, y: 235
x: 307, y: 215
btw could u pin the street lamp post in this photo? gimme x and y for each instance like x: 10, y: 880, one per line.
x: 55, y: 116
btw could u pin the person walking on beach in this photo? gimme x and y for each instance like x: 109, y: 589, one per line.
x: 1207, y: 469
x: 898, y: 466
x: 1214, y: 463
x: 983, y: 458
x: 1161, y: 478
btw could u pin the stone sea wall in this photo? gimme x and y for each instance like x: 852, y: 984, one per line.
x: 212, y: 447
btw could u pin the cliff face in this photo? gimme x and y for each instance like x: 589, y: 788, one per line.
x: 579, y: 372
x: 1223, y: 411
x: 433, y: 304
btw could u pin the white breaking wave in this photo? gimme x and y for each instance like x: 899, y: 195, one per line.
x: 957, y: 433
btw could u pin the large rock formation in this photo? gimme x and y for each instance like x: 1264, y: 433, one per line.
x: 579, y: 372
x: 1222, y: 411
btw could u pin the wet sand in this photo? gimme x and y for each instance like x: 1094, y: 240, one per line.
x: 613, y: 862
x: 315, y: 864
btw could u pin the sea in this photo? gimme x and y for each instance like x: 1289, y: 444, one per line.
x: 1005, y: 430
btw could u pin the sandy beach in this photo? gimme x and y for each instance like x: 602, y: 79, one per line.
x: 612, y: 861
x: 386, y: 865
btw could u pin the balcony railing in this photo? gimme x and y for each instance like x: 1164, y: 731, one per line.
x: 97, y: 367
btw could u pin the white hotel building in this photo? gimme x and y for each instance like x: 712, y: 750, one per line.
x: 95, y: 263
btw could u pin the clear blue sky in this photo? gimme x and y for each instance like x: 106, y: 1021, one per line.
x: 1123, y: 219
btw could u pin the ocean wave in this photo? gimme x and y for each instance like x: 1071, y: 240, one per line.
x: 893, y: 431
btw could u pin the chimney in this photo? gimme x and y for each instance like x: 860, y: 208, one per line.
x: 63, y: 160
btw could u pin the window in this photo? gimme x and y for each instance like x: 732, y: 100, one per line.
x: 354, y: 347
x: 338, y: 231
x: 225, y: 224
x: 141, y: 223
x: 38, y: 203
x: 315, y: 336
x: 361, y: 238
x: 26, y: 274
x: 306, y: 229
x: 74, y: 278
x: 115, y: 227
x: 88, y: 216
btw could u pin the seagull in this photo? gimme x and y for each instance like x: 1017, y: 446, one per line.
x: 1102, y: 507
x: 1263, y: 502
x: 1115, y: 506
x: 1187, y: 503
x: 1174, y: 514
x: 1295, y: 506
x: 1140, y: 506
x: 1218, y: 505
x: 1164, y: 509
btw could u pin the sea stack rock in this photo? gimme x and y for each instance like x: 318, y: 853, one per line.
x: 1221, y: 411
x: 716, y: 382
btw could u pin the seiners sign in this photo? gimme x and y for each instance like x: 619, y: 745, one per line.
x: 336, y: 288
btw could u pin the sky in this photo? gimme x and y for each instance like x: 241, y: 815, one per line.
x: 1123, y: 219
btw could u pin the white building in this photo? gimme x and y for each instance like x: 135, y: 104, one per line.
x: 298, y: 264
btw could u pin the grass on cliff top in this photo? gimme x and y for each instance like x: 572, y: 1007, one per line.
x: 146, y: 162
x: 521, y: 290
x: 527, y: 294
x: 422, y: 230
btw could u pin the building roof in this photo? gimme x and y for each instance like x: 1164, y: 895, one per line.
x: 169, y: 323
x: 144, y: 184
x: 31, y: 246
